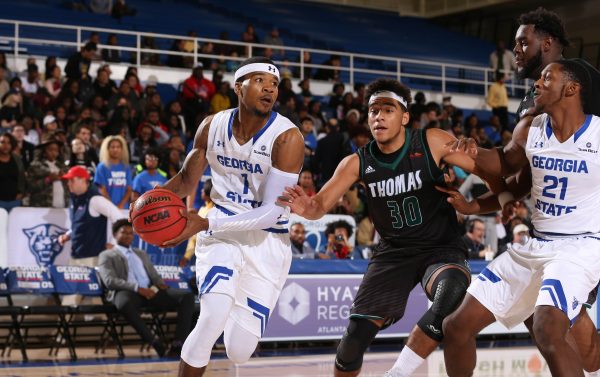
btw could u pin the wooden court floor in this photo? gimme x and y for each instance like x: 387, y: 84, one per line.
x: 492, y: 362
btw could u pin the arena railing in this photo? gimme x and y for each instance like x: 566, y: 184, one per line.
x: 445, y: 77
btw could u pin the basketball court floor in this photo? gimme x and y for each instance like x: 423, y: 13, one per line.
x: 492, y: 362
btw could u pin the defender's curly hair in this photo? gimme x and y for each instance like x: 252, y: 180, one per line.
x: 546, y: 22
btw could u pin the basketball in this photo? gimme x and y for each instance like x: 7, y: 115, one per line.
x: 156, y: 217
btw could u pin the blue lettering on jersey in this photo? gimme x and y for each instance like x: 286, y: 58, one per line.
x: 553, y: 209
x: 237, y: 198
x: 231, y: 162
x: 559, y: 164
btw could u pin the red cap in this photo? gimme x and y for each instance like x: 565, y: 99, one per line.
x: 77, y: 172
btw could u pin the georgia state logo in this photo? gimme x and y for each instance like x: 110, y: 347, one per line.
x: 43, y: 242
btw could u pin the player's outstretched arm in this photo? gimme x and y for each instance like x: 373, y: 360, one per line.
x: 346, y: 174
x: 186, y: 181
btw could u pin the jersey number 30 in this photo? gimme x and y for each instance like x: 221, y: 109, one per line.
x: 410, y: 209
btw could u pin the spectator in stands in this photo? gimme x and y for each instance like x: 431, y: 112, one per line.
x: 172, y: 162
x: 330, y: 74
x: 305, y: 72
x: 482, y: 138
x: 359, y: 137
x: 120, y: 10
x: 503, y: 60
x: 493, y: 130
x: 124, y: 97
x: 474, y: 238
x: 174, y: 109
x: 337, y: 233
x: 331, y: 149
x: 23, y: 148
x: 249, y: 36
x: 95, y: 38
x: 208, y: 205
x: 306, y: 181
x: 54, y: 81
x: 133, y: 283
x: 305, y: 89
x: 12, y: 109
x: 345, y: 106
x: 197, y: 91
x: 285, y: 91
x: 135, y: 85
x: 497, y: 99
x: 48, y: 64
x: 150, y: 177
x: 208, y: 48
x: 520, y: 235
x: 350, y: 123
x: 149, y: 58
x: 336, y: 97
x: 32, y: 129
x: 142, y: 143
x: 315, y: 113
x: 430, y: 117
x: 220, y: 100
x: 4, y: 86
x: 300, y: 248
x: 32, y: 81
x: 8, y: 74
x: 103, y: 85
x: 310, y: 140
x: 174, y: 60
x: 112, y: 55
x: 274, y: 39
x: 160, y: 131
x: 80, y: 157
x: 78, y: 65
x: 359, y: 98
x: 288, y: 110
x: 113, y: 175
x: 473, y: 187
x: 12, y: 174
x: 45, y: 187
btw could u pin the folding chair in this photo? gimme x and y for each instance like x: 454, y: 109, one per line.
x: 70, y: 280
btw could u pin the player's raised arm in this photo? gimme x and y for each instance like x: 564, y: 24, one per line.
x: 314, y: 208
x: 186, y: 181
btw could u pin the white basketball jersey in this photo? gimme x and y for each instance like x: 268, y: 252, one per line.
x: 239, y: 171
x: 566, y: 177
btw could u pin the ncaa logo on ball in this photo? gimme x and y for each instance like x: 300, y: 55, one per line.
x: 156, y: 217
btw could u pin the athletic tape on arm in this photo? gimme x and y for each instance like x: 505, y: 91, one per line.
x: 264, y: 216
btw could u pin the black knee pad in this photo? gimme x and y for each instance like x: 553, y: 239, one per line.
x: 448, y: 290
x: 354, y: 343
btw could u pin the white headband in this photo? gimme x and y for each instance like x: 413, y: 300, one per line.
x: 387, y: 94
x: 256, y: 67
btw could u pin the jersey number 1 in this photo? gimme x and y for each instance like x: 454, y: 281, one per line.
x: 245, y: 183
x: 411, y: 210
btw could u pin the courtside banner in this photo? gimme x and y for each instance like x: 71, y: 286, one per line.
x: 174, y: 276
x: 33, y: 237
x: 70, y: 280
x: 318, y: 307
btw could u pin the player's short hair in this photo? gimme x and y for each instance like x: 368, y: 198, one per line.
x: 390, y: 85
x: 207, y: 188
x: 119, y: 224
x: 252, y: 60
x: 546, y: 23
x: 332, y: 226
x: 577, y: 72
x: 306, y: 119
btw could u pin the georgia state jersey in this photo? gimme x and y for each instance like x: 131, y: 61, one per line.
x: 239, y: 171
x: 565, y: 178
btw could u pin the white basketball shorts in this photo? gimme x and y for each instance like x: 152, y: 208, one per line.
x: 559, y: 272
x: 250, y: 266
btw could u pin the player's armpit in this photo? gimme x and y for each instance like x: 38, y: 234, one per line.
x: 288, y: 151
x: 186, y: 181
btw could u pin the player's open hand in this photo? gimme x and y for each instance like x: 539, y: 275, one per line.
x: 465, y: 145
x: 193, y: 225
x: 295, y: 198
x: 458, y: 201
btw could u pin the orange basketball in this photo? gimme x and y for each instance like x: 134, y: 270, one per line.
x: 156, y: 217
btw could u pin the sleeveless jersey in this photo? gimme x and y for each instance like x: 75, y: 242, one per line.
x: 239, y: 171
x: 406, y: 209
x: 565, y: 178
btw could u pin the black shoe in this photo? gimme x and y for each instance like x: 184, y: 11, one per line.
x: 159, y: 347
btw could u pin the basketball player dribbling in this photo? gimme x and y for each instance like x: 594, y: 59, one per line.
x: 420, y: 238
x: 552, y: 274
x: 243, y: 247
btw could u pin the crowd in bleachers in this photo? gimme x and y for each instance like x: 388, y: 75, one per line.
x: 118, y: 128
